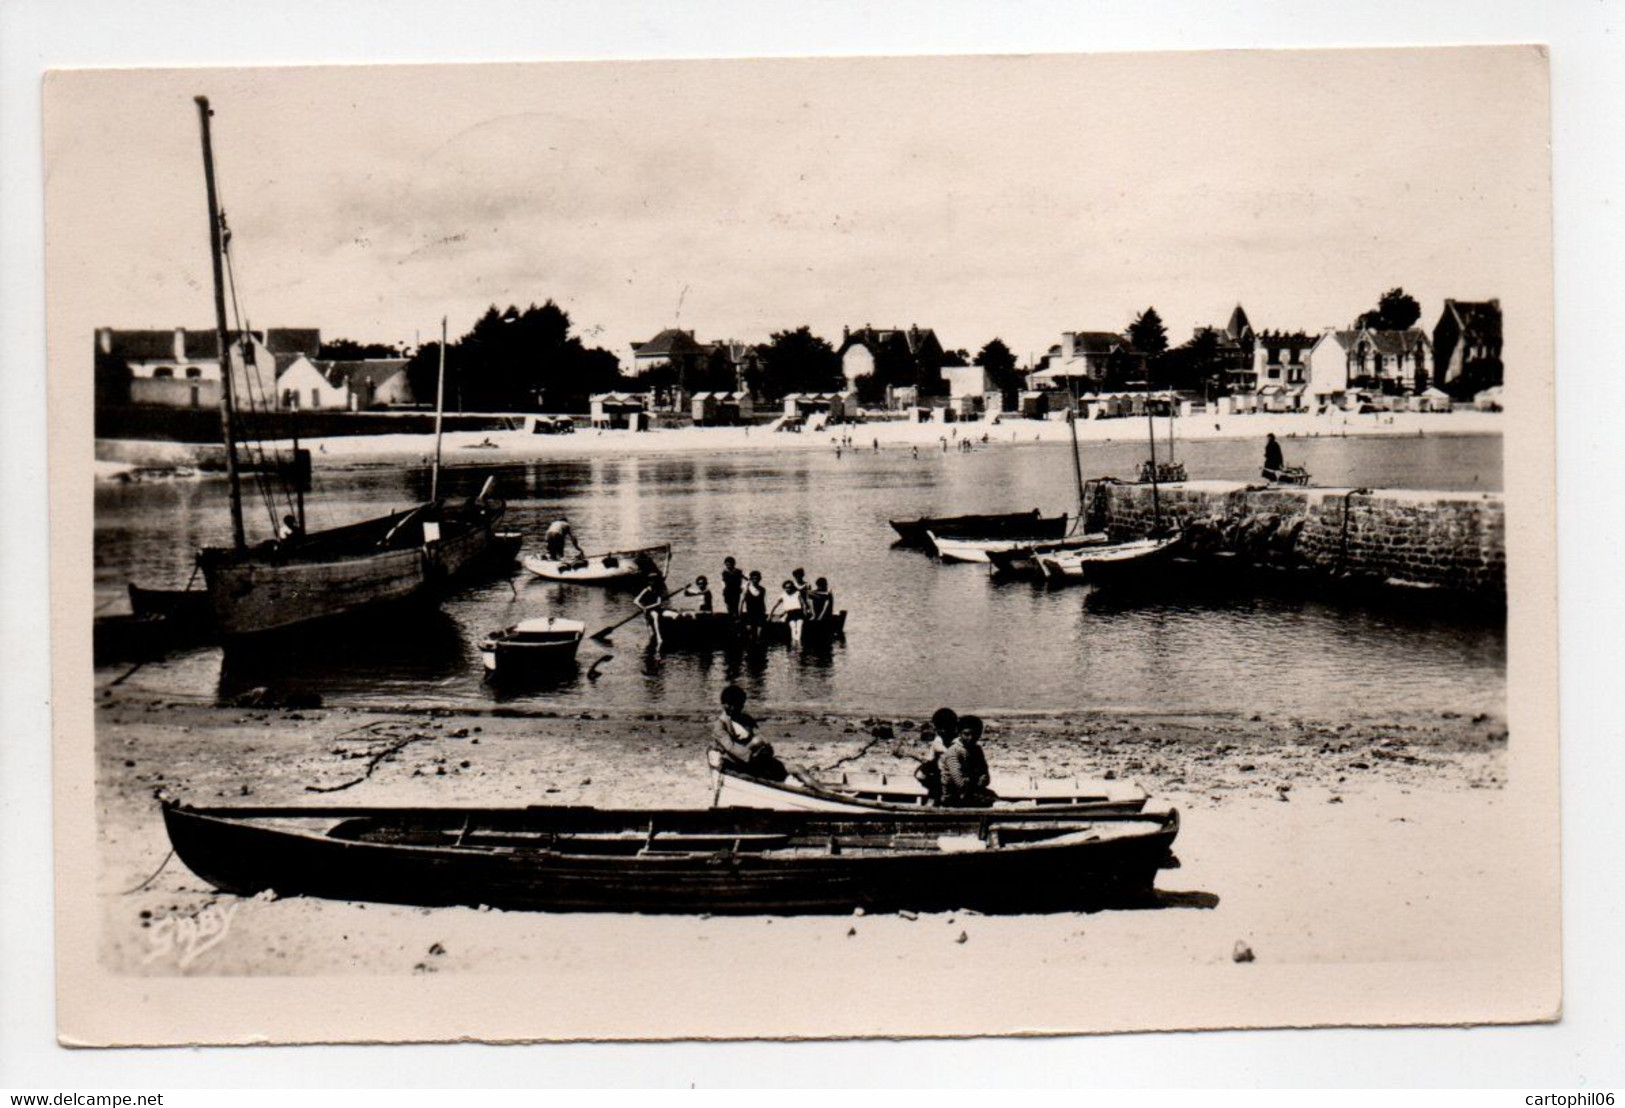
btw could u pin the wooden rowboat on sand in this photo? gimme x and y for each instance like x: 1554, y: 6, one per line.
x: 729, y: 860
x: 901, y: 794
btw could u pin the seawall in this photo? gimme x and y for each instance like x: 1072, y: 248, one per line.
x: 1453, y: 541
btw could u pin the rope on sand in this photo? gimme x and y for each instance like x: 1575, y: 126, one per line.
x: 860, y: 752
x: 153, y: 876
x: 372, y: 764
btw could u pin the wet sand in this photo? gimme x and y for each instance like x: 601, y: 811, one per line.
x: 1354, y: 841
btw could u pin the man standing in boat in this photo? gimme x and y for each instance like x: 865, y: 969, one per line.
x: 733, y: 734
x: 558, y: 533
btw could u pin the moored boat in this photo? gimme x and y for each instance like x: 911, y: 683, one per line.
x: 1009, y: 524
x: 730, y: 860
x: 1107, y: 562
x: 304, y: 577
x: 951, y: 549
x: 902, y: 794
x: 530, y: 647
x: 619, y: 567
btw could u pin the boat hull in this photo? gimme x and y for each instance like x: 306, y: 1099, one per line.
x: 346, y: 572
x: 983, y: 551
x: 622, y: 567
x: 1107, y: 563
x: 738, y: 861
x: 916, y: 532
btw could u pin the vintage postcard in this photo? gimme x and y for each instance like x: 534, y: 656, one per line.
x: 792, y: 548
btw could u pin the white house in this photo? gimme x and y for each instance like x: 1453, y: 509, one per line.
x: 180, y: 368
x: 305, y: 386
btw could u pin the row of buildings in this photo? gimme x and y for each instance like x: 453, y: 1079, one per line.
x: 278, y: 368
x: 675, y: 374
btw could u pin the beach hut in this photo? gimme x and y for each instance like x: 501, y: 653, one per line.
x: 618, y: 411
x: 1432, y: 400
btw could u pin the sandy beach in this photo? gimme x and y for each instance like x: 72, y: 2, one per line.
x: 1337, y: 842
x: 118, y: 457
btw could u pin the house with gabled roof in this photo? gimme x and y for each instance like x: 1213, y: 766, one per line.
x: 1467, y: 347
x: 1393, y: 361
x: 1087, y: 361
x: 895, y: 356
x: 179, y: 367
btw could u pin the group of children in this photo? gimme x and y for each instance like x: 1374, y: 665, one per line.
x: 745, y: 598
x: 955, y: 775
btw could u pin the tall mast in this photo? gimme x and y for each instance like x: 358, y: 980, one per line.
x: 1077, y: 463
x: 439, y: 408
x: 1156, y: 502
x: 227, y: 408
x: 1170, y: 428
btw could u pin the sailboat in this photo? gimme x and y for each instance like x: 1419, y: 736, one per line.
x: 1115, y: 560
x: 302, y: 578
x: 1015, y: 555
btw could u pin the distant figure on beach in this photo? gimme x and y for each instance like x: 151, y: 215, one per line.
x: 1272, y: 454
x: 733, y: 586
x: 558, y: 533
x: 755, y: 604
x: 916, y: 451
x: 702, y: 589
x: 790, y: 604
x: 965, y: 776
x: 733, y: 735
x: 877, y: 446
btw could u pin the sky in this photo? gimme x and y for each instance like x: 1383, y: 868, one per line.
x: 1016, y: 197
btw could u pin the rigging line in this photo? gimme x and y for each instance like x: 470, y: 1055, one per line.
x: 250, y: 380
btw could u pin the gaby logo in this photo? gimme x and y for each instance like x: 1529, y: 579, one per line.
x: 187, y: 938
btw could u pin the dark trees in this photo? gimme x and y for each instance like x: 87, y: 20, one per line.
x: 1395, y: 311
x: 1000, y: 364
x: 1147, y: 334
x: 799, y: 361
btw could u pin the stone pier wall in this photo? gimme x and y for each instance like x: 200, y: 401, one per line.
x: 1443, y: 540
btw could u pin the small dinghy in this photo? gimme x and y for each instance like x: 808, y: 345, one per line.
x: 901, y: 793
x: 951, y: 549
x: 534, y: 646
x: 1107, y: 562
x: 619, y: 567
x: 1286, y: 475
x: 716, y: 860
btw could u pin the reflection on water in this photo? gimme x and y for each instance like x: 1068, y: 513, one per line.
x: 919, y: 633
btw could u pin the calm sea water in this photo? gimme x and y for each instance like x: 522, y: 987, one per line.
x: 918, y: 633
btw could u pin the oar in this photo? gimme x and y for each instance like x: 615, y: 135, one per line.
x: 608, y: 631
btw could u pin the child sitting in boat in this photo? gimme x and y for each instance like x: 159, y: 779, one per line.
x: 944, y: 726
x: 965, y: 776
x: 702, y: 589
x: 733, y: 734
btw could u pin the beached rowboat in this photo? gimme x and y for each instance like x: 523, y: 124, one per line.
x: 619, y: 567
x: 951, y: 549
x: 532, y: 646
x: 1007, y: 525
x: 902, y: 794
x: 1107, y: 562
x: 730, y: 860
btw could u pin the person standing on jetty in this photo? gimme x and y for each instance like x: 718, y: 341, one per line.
x: 733, y: 735
x: 558, y: 533
x: 1273, y: 458
x: 755, y: 604
x: 733, y: 585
